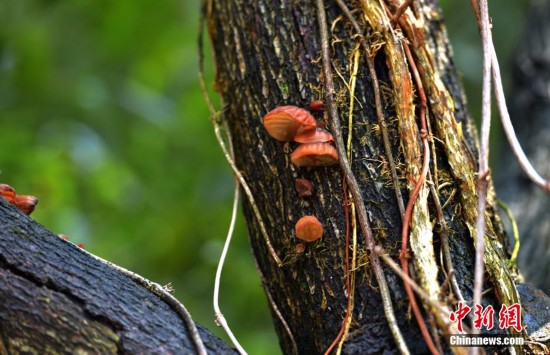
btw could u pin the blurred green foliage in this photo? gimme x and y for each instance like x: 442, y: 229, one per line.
x: 102, y: 118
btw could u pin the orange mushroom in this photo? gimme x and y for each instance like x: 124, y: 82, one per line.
x: 300, y: 248
x: 309, y: 229
x: 314, y: 154
x: 284, y: 122
x: 304, y: 187
x: 317, y: 135
x: 317, y: 105
x: 7, y: 192
x: 25, y: 203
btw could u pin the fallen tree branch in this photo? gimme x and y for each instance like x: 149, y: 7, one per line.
x: 58, y: 296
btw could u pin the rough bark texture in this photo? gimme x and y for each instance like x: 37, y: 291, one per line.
x: 267, y: 54
x: 530, y: 113
x: 57, y: 299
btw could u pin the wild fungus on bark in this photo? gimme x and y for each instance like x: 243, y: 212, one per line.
x: 284, y: 122
x: 304, y: 187
x: 317, y: 105
x: 314, y: 154
x: 309, y: 229
x: 7, y: 192
x: 287, y: 123
x: 317, y: 135
x: 300, y: 248
x: 25, y: 203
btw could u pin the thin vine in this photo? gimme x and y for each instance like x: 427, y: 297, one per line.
x: 218, y: 121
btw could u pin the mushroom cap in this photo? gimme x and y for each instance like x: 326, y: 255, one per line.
x: 304, y: 187
x: 25, y: 203
x: 309, y: 229
x: 284, y: 122
x: 7, y: 192
x: 314, y: 154
x: 317, y: 135
x: 300, y: 248
x: 316, y: 105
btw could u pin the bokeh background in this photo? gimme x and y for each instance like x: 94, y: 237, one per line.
x: 102, y: 118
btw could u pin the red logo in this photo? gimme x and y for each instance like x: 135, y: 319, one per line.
x: 508, y: 316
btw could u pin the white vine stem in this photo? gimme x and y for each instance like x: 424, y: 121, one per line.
x: 509, y: 129
x: 483, y: 171
x: 220, y: 319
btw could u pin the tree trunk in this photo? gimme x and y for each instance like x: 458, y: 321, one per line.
x: 58, y: 299
x: 267, y: 54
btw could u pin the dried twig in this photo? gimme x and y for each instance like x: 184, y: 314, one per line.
x: 350, y: 274
x: 403, y: 255
x: 165, y: 296
x: 524, y: 162
x: 445, y: 248
x: 278, y: 313
x: 407, y: 279
x: 483, y: 172
x: 395, y: 17
x: 218, y: 121
x: 347, y: 319
x: 352, y: 182
x: 378, y: 103
x: 509, y: 128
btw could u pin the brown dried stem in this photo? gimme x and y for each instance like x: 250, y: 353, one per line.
x: 524, y: 162
x: 218, y: 121
x: 348, y: 281
x: 352, y: 182
x: 395, y: 17
x: 446, y: 250
x: 350, y: 285
x: 407, y: 279
x: 483, y: 172
x: 403, y: 255
x: 378, y: 103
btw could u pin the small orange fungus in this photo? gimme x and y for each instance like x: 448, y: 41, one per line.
x: 309, y: 229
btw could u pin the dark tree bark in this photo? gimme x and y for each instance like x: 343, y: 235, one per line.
x: 530, y: 112
x: 267, y: 54
x: 58, y: 299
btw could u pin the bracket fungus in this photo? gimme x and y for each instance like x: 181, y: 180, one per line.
x: 300, y: 248
x: 317, y: 135
x: 304, y: 188
x: 309, y: 229
x: 314, y: 154
x: 25, y: 203
x: 284, y: 122
x: 317, y: 105
x: 7, y: 192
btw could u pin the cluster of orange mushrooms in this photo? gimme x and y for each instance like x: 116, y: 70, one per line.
x: 25, y: 203
x: 315, y: 148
